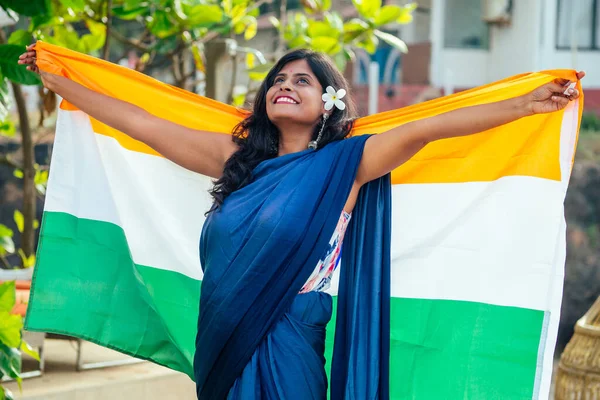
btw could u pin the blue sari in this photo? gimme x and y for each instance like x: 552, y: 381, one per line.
x: 257, y: 337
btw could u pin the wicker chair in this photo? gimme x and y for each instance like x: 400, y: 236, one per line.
x: 578, y: 375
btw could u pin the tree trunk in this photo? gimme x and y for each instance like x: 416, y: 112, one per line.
x: 106, y: 49
x: 29, y: 192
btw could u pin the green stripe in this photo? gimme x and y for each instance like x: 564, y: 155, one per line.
x: 87, y: 285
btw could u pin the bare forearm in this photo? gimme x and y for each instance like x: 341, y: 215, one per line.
x: 113, y: 112
x: 470, y: 120
x: 385, y: 152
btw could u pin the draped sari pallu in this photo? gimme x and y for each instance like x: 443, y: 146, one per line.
x: 476, y: 252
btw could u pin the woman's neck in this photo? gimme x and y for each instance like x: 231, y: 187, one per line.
x: 293, y: 139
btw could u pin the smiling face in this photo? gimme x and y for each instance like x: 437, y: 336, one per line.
x: 295, y: 95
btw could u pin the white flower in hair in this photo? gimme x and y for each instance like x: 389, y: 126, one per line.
x: 331, y: 98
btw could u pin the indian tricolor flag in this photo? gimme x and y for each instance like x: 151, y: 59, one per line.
x: 478, y: 241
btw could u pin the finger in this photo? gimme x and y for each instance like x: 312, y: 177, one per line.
x: 30, y: 60
x: 561, y: 81
x: 30, y: 47
x: 574, y: 94
x: 556, y: 87
x: 27, y: 54
x: 561, y: 101
x: 580, y: 74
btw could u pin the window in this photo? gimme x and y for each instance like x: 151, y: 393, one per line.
x: 585, y: 15
x: 273, y: 7
x: 463, y: 26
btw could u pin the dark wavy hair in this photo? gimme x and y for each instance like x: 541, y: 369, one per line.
x: 258, y: 138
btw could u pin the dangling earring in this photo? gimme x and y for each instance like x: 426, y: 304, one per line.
x: 313, y: 144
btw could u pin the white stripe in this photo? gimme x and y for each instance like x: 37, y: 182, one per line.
x: 159, y: 205
x: 568, y: 139
x: 491, y: 242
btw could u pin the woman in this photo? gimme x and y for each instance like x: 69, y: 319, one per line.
x: 287, y: 186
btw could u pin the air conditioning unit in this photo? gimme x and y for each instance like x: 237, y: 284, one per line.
x: 497, y: 12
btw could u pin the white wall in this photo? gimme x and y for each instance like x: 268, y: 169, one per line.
x: 551, y: 58
x: 528, y: 44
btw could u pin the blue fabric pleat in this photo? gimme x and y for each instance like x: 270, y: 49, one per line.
x: 360, y: 367
x: 257, y: 252
x: 289, y: 362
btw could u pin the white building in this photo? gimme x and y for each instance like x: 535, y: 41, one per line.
x: 527, y: 35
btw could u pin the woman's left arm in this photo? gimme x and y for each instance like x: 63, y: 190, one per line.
x: 386, y: 151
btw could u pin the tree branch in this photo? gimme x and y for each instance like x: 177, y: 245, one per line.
x: 106, y: 49
x: 283, y: 22
x: 137, y: 44
x: 5, y: 262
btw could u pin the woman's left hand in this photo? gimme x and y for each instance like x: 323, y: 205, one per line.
x: 552, y: 97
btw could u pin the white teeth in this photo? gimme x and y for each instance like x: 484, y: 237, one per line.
x: 285, y: 100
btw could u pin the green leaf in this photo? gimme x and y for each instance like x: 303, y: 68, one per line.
x: 369, y: 43
x: 335, y: 21
x: 19, y: 220
x: 9, y: 55
x: 326, y: 44
x: 30, y: 351
x: 10, y: 329
x: 392, y: 41
x: 198, y: 59
x: 7, y: 129
x: 75, y: 5
x: 7, y: 245
x: 320, y: 28
x: 367, y: 8
x: 28, y: 262
x: 238, y: 100
x: 239, y: 27
x: 20, y: 37
x: 5, y: 394
x: 161, y: 25
x: 129, y: 4
x: 5, y: 103
x: 354, y: 29
x: 18, y: 173
x: 259, y: 72
x: 355, y: 25
x: 5, y: 230
x: 251, y: 27
x: 95, y: 39
x: 227, y: 6
x: 129, y: 14
x: 41, y: 177
x: 387, y: 14
x: 29, y: 8
x: 299, y: 42
x: 7, y: 296
x: 203, y: 15
x: 10, y: 358
x: 65, y: 36
x: 406, y: 16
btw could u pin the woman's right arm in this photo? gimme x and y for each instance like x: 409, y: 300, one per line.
x: 199, y: 151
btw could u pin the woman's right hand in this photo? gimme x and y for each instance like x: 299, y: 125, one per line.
x: 29, y: 58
